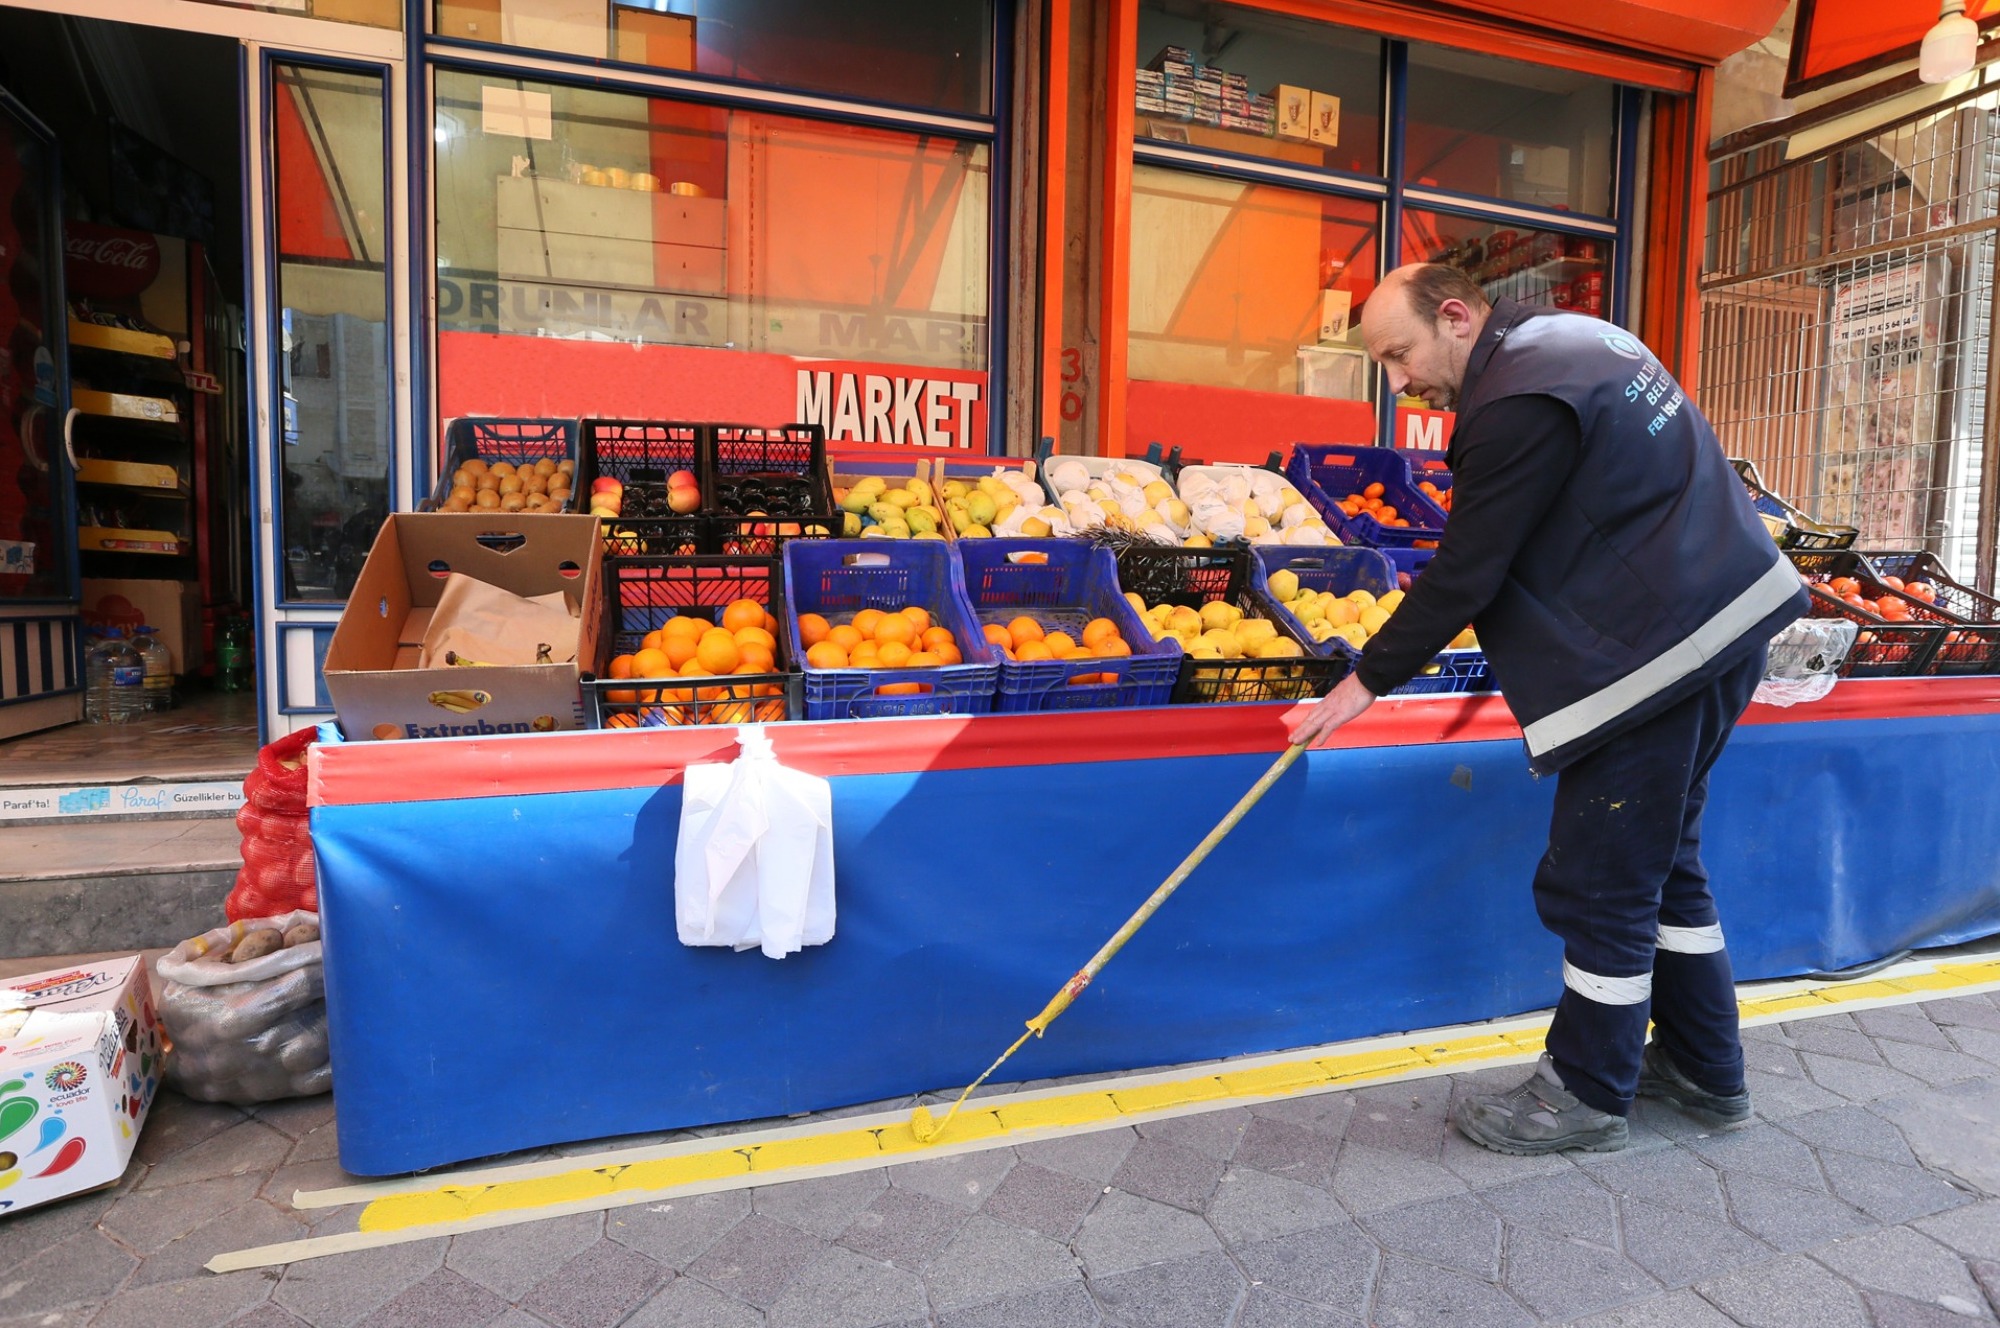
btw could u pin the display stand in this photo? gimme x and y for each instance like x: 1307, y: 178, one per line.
x: 503, y: 972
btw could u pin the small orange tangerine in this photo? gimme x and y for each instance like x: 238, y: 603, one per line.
x: 865, y: 656
x: 771, y: 623
x: 620, y: 667
x: 1112, y: 648
x: 894, y: 654
x: 756, y: 659
x: 813, y: 628
x: 933, y: 637
x: 925, y: 659
x: 947, y: 653
x: 826, y: 655
x: 679, y: 649
x: 755, y: 636
x: 1060, y: 644
x: 743, y: 613
x: 1024, y: 629
x: 1031, y: 650
x: 846, y: 637
x: 1098, y: 629
x: 998, y: 635
x: 865, y: 622
x: 717, y: 652
x: 650, y: 664
x: 651, y: 640
x: 694, y: 668
x: 901, y: 689
x: 684, y: 626
x: 920, y: 618
x: 897, y: 629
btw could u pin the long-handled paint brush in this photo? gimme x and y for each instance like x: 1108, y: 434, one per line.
x: 929, y: 1131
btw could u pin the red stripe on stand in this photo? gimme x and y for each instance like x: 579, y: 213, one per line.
x: 515, y: 765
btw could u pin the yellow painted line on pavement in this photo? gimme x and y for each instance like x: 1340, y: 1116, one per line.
x: 415, y: 1209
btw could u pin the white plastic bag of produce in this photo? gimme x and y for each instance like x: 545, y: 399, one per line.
x: 252, y: 1029
x: 1804, y: 660
x: 754, y: 862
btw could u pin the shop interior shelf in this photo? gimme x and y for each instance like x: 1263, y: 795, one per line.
x: 162, y: 481
x: 125, y: 406
x: 121, y: 340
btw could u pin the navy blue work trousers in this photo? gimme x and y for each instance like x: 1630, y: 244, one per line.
x: 1623, y: 886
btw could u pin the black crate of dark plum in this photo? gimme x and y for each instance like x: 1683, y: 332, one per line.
x: 764, y: 485
x: 643, y: 478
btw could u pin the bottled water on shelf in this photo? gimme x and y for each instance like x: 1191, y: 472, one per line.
x: 159, y: 662
x: 114, y: 677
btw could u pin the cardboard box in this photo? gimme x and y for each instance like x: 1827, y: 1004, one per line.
x: 80, y: 1055
x: 370, y: 672
x: 171, y: 607
x: 1325, y: 127
x: 1294, y: 110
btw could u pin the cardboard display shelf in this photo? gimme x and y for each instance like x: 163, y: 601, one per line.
x: 125, y: 406
x: 123, y: 340
x: 130, y: 475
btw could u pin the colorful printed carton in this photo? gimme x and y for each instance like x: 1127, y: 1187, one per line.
x: 79, y: 1066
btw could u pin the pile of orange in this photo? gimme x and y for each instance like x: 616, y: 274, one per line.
x: 877, y: 639
x: 1369, y: 503
x: 1025, y: 641
x: 1442, y: 497
x: 744, y: 641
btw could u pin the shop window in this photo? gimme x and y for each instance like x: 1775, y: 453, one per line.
x: 333, y: 330
x: 1503, y: 129
x: 1262, y: 84
x: 1538, y: 267
x: 935, y: 54
x: 762, y: 264
x: 1248, y: 286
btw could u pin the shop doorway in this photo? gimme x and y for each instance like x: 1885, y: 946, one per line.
x: 134, y: 483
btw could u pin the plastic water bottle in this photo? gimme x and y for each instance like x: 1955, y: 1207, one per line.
x: 114, y: 681
x: 159, y: 662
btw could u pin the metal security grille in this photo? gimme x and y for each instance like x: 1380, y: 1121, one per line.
x: 1847, y: 308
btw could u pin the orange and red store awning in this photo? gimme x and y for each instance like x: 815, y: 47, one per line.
x: 1835, y: 40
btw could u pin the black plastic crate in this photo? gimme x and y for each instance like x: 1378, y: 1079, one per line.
x: 643, y: 455
x: 764, y: 485
x: 642, y: 593
x: 1959, y: 600
x: 1967, y: 647
x: 515, y: 441
x: 1193, y: 577
x: 1801, y: 531
x: 1882, y: 648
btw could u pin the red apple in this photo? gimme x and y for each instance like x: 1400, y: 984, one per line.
x: 606, y: 484
x: 680, y: 478
x: 684, y: 498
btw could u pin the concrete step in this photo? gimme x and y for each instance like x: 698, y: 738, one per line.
x: 127, y: 884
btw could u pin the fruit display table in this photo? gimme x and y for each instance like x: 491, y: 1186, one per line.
x: 502, y: 969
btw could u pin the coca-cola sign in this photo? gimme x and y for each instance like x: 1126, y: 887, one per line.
x: 107, y: 263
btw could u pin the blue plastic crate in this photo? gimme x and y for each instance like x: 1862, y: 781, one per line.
x: 839, y: 578
x: 1327, y: 472
x: 1342, y: 571
x: 511, y: 440
x: 1411, y: 561
x: 1076, y: 583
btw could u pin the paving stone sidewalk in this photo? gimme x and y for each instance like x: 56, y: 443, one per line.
x: 1867, y: 1192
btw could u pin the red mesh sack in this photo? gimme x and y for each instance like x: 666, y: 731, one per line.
x: 277, y: 874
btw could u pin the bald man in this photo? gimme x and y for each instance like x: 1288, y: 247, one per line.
x: 1624, y: 590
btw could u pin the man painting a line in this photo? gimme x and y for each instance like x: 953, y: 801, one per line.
x: 1624, y: 590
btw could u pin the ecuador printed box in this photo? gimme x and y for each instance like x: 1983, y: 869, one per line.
x: 79, y: 1065
x: 373, y: 674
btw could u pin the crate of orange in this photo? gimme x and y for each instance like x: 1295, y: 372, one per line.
x: 1366, y: 495
x: 1896, y: 635
x: 1176, y: 577
x: 883, y: 628
x: 1067, y: 637
x: 694, y: 640
x: 1963, y: 647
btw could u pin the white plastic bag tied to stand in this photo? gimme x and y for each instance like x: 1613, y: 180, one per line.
x: 753, y: 866
x: 1804, y: 660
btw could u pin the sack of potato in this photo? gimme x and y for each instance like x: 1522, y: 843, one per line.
x: 245, y: 1008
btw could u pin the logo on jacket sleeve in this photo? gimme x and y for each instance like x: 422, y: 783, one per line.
x: 1621, y: 344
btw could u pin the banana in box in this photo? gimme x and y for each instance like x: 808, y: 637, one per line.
x: 468, y: 624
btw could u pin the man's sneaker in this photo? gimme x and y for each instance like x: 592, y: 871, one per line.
x: 1659, y: 1077
x: 1541, y: 1116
